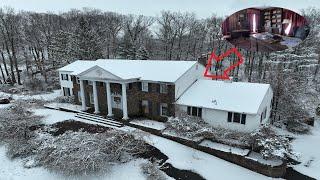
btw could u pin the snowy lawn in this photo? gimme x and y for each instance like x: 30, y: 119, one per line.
x: 47, y: 96
x: 150, y: 124
x: 54, y: 116
x: 308, y: 146
x: 68, y: 106
x: 206, y: 165
x: 14, y: 170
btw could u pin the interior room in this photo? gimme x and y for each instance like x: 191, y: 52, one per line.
x: 265, y: 29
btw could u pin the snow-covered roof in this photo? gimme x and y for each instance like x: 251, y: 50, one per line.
x: 239, y: 97
x: 148, y: 70
x: 78, y: 66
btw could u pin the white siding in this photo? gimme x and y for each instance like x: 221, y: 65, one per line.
x: 266, y: 103
x: 218, y: 118
x: 65, y: 83
x: 188, y: 78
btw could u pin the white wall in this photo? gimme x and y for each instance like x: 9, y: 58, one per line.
x: 65, y: 83
x: 266, y: 102
x: 188, y: 78
x: 218, y: 118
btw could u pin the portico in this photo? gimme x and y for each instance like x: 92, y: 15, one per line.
x: 115, y: 100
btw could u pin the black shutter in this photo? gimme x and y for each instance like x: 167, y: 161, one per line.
x: 243, y: 118
x: 62, y: 77
x: 139, y: 86
x: 157, y: 88
x: 189, y: 110
x: 158, y: 109
x: 200, y: 112
x: 150, y: 107
x: 67, y: 77
x: 229, y: 116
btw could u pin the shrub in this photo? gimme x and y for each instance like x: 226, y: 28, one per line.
x: 34, y: 84
x: 195, y: 128
x: 64, y: 99
x: 152, y: 172
x: 81, y: 153
x: 270, y: 145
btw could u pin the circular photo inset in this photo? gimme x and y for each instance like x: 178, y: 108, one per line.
x: 265, y: 29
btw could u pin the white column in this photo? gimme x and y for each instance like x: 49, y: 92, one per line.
x: 124, y: 102
x: 109, y: 99
x: 83, y: 98
x: 95, y: 97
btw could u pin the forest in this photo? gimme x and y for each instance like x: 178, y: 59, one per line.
x: 33, y: 45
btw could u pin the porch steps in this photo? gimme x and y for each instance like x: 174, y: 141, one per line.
x: 99, y: 119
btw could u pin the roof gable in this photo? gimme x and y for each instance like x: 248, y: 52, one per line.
x: 97, y: 72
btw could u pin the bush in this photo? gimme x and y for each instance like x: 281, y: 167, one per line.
x: 64, y: 99
x: 297, y: 126
x: 270, y: 145
x: 81, y: 153
x: 195, y: 128
x: 152, y: 172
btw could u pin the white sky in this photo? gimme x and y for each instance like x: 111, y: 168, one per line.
x: 202, y: 8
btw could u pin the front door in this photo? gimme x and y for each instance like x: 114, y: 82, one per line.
x: 116, y: 101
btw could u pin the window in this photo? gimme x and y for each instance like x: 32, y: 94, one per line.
x: 129, y: 86
x: 78, y: 80
x: 163, y: 109
x: 145, y: 106
x: 194, y: 111
x: 144, y: 86
x: 66, y: 91
x: 64, y: 77
x: 90, y: 83
x: 237, y: 117
x: 263, y: 115
x: 164, y: 88
x: 79, y: 96
x: 91, y: 98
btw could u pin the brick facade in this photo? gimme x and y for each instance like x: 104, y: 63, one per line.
x: 134, y: 99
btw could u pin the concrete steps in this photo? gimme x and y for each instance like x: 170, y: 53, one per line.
x: 99, y: 119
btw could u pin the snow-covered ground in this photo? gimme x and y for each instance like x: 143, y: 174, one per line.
x: 224, y: 148
x: 206, y: 165
x: 308, y: 146
x: 14, y: 170
x: 47, y: 97
x: 150, y: 124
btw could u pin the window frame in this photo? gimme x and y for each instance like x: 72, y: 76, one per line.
x: 64, y: 77
x: 242, y: 118
x: 161, y: 106
x: 163, y: 88
x: 145, y: 105
x: 190, y: 111
x: 145, y: 86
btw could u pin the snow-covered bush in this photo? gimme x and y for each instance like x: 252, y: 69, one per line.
x: 297, y: 126
x: 64, y: 99
x: 152, y: 172
x: 270, y: 145
x: 195, y: 128
x: 82, y: 153
x: 15, y: 122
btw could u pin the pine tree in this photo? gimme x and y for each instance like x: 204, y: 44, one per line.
x: 87, y: 41
x: 143, y: 53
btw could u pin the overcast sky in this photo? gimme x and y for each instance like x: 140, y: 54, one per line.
x: 202, y: 8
